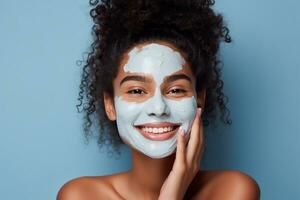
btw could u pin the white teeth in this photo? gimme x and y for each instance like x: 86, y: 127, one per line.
x: 158, y: 130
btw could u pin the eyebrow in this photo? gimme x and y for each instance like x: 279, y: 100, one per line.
x: 133, y: 78
x: 177, y: 77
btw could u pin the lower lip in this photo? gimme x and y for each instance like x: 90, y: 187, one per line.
x: 158, y: 136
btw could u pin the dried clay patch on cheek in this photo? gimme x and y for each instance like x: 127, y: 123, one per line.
x: 127, y: 110
x: 183, y: 111
x: 184, y: 106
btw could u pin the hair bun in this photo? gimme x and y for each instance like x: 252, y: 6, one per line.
x: 136, y: 15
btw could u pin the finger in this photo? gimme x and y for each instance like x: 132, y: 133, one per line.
x: 200, y: 154
x: 181, y: 149
x: 194, y: 143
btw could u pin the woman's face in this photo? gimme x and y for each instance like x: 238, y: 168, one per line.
x: 154, y: 95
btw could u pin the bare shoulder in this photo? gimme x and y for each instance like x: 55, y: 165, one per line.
x: 88, y: 187
x: 224, y: 184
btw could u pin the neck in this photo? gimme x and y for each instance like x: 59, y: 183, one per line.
x: 148, y: 174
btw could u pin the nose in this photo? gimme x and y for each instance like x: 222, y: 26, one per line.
x: 157, y: 106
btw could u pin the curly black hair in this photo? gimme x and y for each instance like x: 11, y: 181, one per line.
x: 191, y: 25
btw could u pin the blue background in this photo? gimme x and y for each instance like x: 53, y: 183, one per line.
x: 42, y: 144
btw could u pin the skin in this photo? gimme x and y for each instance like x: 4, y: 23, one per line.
x: 174, y: 177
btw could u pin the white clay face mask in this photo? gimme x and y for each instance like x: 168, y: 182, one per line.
x: 157, y: 118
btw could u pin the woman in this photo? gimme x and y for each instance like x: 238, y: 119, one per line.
x: 152, y: 80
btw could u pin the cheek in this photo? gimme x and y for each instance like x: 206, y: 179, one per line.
x: 127, y: 111
x: 183, y: 110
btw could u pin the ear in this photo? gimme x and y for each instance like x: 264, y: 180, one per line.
x: 201, y: 98
x: 109, y: 106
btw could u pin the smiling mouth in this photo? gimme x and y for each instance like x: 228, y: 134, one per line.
x: 158, y: 131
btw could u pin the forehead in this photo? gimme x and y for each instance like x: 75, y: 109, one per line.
x: 158, y: 59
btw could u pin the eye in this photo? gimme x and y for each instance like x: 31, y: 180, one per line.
x: 136, y: 91
x: 176, y: 91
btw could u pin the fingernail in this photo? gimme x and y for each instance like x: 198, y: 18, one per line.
x: 181, y: 131
x: 199, y: 111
